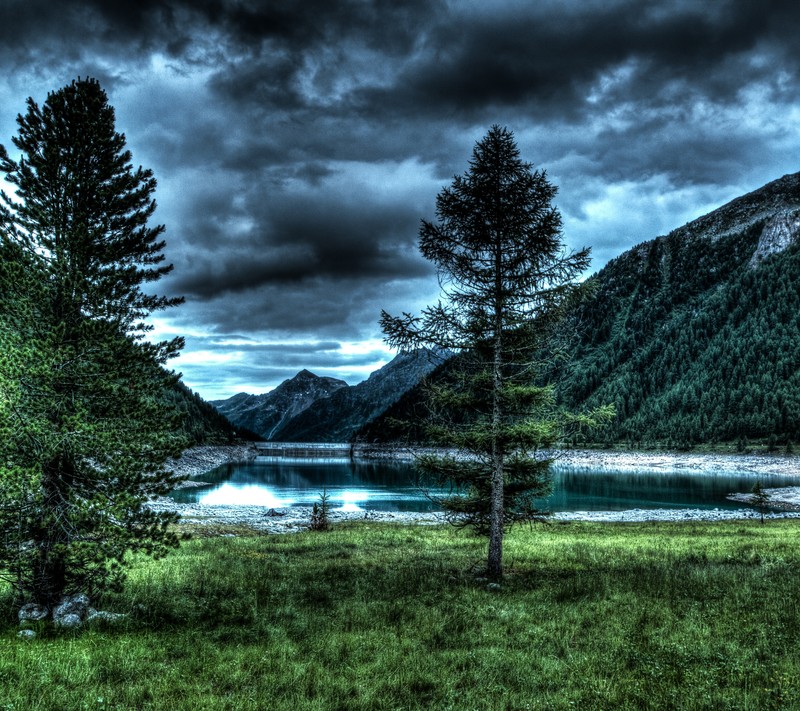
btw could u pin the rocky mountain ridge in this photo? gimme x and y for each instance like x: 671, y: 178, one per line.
x: 774, y: 198
x: 309, y: 408
x: 779, y: 232
x: 267, y: 414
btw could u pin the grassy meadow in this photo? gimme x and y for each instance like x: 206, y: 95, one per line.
x: 377, y: 616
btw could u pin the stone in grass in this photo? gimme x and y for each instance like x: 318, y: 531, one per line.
x: 74, y: 610
x: 70, y: 621
x: 103, y: 616
x: 32, y: 612
x: 71, y: 611
x: 26, y: 634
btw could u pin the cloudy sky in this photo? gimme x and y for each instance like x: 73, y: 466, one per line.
x: 298, y: 143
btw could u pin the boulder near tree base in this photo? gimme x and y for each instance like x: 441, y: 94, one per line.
x: 84, y: 429
x: 506, y: 283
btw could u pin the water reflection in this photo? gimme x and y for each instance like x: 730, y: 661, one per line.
x: 389, y: 486
x: 280, y: 483
x: 351, y: 500
x: 581, y: 490
x: 229, y: 494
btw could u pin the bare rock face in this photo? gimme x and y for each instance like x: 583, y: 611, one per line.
x: 779, y: 232
x: 762, y: 204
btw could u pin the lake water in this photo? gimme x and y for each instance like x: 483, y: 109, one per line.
x: 389, y: 486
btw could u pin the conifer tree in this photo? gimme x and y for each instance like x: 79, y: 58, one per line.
x: 506, y: 281
x: 85, y: 431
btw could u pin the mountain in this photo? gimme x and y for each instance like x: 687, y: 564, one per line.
x: 338, y: 417
x: 694, y: 336
x: 267, y: 414
x: 200, y: 421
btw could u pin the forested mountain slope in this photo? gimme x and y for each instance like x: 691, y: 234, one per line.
x: 694, y: 336
x: 201, y: 422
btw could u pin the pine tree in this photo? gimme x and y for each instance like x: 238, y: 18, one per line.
x: 507, y: 283
x: 85, y: 430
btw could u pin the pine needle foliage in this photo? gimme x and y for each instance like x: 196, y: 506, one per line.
x: 507, y: 282
x: 84, y: 430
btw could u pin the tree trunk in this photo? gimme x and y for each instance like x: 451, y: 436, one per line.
x: 50, y: 577
x: 496, y: 514
x: 494, y: 566
x: 50, y: 573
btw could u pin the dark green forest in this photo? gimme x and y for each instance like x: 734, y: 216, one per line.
x: 200, y: 422
x: 693, y: 343
x: 694, y: 337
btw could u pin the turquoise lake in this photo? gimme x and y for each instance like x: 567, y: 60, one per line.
x: 389, y: 486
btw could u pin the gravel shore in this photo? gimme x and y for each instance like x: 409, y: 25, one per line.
x: 199, y: 460
x: 684, y: 462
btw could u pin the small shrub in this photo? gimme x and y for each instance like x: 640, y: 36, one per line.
x: 319, y: 514
x: 760, y: 499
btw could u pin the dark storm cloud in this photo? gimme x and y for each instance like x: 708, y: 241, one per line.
x: 204, y: 30
x: 545, y: 61
x: 298, y: 144
x: 437, y: 58
x: 245, y: 343
x: 344, y: 309
x: 303, y: 239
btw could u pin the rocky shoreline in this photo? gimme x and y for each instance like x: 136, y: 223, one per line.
x: 196, y: 461
x: 684, y: 462
x: 199, y: 460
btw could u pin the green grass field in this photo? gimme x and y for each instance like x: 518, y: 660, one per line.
x: 371, y: 616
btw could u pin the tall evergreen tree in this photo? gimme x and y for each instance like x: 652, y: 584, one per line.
x: 506, y: 282
x: 85, y: 431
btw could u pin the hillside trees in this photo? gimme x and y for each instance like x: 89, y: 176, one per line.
x: 506, y: 283
x: 84, y: 432
x: 717, y: 340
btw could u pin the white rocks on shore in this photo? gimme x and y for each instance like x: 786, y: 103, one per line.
x: 635, y: 515
x: 288, y: 520
x: 683, y: 462
x: 297, y: 518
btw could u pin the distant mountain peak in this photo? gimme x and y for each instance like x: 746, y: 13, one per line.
x: 266, y: 414
x: 320, y: 408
